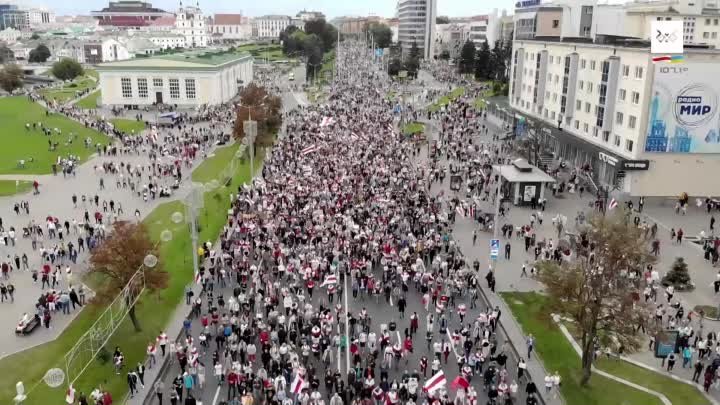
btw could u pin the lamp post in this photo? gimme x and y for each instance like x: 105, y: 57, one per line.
x: 250, y: 130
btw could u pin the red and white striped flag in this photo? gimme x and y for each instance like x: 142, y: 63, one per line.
x: 330, y: 279
x: 472, y: 211
x: 309, y: 149
x: 297, y: 385
x: 460, y: 211
x: 435, y: 382
x: 613, y: 204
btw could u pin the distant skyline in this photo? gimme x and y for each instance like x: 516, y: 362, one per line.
x: 331, y: 8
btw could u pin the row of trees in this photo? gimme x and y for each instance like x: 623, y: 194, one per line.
x: 318, y: 38
x: 486, y: 63
x: 399, y: 62
x: 11, y: 75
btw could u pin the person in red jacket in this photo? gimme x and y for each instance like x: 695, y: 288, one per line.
x: 107, y: 398
x: 232, y: 379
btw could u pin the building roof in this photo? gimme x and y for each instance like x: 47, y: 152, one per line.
x: 199, y: 60
x: 168, y: 20
x: 228, y: 19
x: 513, y: 175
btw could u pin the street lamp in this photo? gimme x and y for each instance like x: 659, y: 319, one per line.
x: 250, y: 129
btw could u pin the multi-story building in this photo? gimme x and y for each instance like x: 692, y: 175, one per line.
x: 190, y: 23
x: 701, y: 19
x: 486, y: 28
x: 270, y: 26
x: 417, y: 25
x: 230, y: 27
x: 129, y: 14
x: 24, y: 19
x: 104, y: 50
x: 310, y: 15
x: 507, y: 27
x: 450, y: 38
x: 354, y: 25
x: 560, y: 18
x: 11, y: 35
x: 607, y: 107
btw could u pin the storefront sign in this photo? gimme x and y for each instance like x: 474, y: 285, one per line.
x: 527, y: 3
x: 604, y: 157
x: 629, y: 165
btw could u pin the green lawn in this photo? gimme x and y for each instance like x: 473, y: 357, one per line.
x: 128, y: 126
x: 69, y: 91
x: 10, y: 187
x: 531, y: 311
x: 89, y: 102
x: 210, y: 168
x: 92, y: 73
x: 20, y: 143
x: 153, y: 312
x: 413, y: 128
x: 447, y: 99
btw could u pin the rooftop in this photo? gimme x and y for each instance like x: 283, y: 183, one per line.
x: 193, y: 59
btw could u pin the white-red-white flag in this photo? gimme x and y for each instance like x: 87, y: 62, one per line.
x: 309, y: 149
x: 435, y: 382
x: 330, y: 279
x: 297, y: 384
x: 613, y: 204
x: 460, y: 211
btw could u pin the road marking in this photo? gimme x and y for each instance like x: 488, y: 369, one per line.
x: 391, y: 304
x: 217, y: 393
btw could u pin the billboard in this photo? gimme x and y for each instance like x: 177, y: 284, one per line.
x: 667, y: 37
x: 684, y: 109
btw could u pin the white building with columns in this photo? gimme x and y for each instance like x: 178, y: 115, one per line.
x: 185, y: 79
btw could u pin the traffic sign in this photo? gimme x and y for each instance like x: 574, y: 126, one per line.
x: 494, y: 248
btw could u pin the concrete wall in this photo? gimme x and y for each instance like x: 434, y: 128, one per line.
x: 545, y: 23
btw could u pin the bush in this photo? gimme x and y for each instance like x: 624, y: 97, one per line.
x: 678, y: 276
x: 103, y: 355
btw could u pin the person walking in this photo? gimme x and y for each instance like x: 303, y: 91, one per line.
x: 159, y: 391
x: 530, y: 345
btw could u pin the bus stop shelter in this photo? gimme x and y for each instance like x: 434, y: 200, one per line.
x: 523, y: 182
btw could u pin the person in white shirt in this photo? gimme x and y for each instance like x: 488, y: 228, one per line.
x: 549, y: 382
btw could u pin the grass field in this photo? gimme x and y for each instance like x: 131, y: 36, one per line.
x: 530, y: 309
x: 447, y: 99
x: 69, y: 91
x: 413, y: 128
x: 153, y: 312
x: 211, y: 167
x: 20, y: 143
x: 128, y: 126
x: 90, y: 101
x: 9, y: 187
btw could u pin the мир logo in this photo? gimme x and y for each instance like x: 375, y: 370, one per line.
x: 695, y: 105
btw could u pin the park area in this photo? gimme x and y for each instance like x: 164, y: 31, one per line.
x: 128, y: 126
x: 69, y: 91
x: 32, y: 146
x: 154, y: 310
x: 557, y: 354
x: 447, y: 99
x: 90, y: 102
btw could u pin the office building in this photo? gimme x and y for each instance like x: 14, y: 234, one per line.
x: 270, y: 26
x: 185, y: 79
x: 609, y: 108
x: 417, y: 25
x: 24, y: 19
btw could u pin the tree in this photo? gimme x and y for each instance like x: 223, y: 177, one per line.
x: 382, y: 34
x: 11, y: 77
x: 442, y: 20
x: 35, y: 36
x: 67, y: 69
x: 394, y: 66
x: 414, y: 51
x: 118, y: 259
x: 39, y: 54
x: 445, y: 55
x: 467, y: 57
x: 313, y: 51
x: 678, y: 276
x: 258, y: 104
x: 482, y: 63
x: 594, y: 289
x: 326, y: 32
x: 5, y: 54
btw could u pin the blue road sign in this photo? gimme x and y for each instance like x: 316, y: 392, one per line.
x: 494, y: 248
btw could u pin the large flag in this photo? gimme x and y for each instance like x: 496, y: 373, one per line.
x: 309, y: 149
x: 460, y: 211
x: 330, y: 279
x: 459, y: 382
x: 435, y: 382
x: 297, y: 384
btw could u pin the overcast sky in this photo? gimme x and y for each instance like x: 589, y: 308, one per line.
x: 331, y: 8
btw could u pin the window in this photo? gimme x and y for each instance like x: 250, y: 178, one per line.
x: 174, y: 88
x: 592, y: 65
x: 595, y: 131
x: 587, y: 107
x: 629, y: 145
x: 554, y: 97
x: 632, y: 121
x: 556, y: 23
x: 581, y: 84
x: 616, y: 140
x: 626, y: 70
x: 552, y: 115
x: 582, y: 63
x: 126, y: 87
x: 557, y: 78
x: 707, y: 21
x: 714, y: 35
x: 622, y: 94
x: 606, y: 136
x: 578, y: 105
x: 706, y: 35
x: 619, y: 118
x: 585, y: 127
x: 142, y: 88
x: 577, y: 124
x: 635, y: 97
x: 715, y: 21
x: 589, y: 87
x: 190, y: 88
x: 638, y: 72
